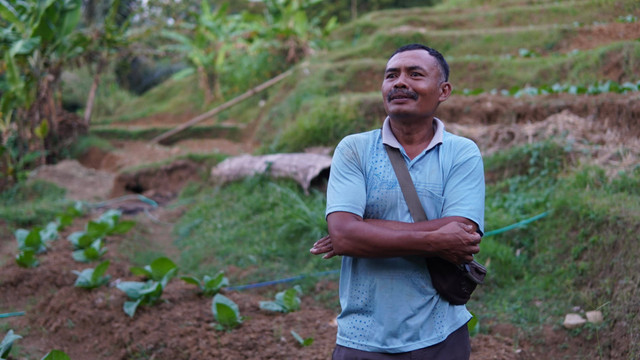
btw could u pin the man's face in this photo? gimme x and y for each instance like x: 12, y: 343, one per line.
x: 413, y: 85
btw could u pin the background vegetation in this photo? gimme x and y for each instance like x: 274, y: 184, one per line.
x: 582, y: 255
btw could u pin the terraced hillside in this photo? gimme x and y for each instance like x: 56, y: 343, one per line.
x: 549, y: 90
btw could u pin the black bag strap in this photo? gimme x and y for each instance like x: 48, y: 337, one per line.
x: 406, y: 184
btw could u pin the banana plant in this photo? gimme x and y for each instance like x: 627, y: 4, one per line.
x: 205, y: 45
x: 39, y: 40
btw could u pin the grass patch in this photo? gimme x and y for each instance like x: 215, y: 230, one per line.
x: 194, y: 132
x: 260, y: 226
x: 32, y: 203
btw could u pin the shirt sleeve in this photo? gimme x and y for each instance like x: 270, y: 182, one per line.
x: 346, y: 190
x: 464, y: 190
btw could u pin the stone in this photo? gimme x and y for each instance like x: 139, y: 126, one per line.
x: 572, y: 321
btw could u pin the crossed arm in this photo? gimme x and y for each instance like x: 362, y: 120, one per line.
x: 452, y: 238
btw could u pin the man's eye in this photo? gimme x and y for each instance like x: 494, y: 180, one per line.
x: 414, y: 74
x: 390, y: 76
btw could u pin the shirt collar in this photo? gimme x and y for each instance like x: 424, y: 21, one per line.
x: 390, y: 139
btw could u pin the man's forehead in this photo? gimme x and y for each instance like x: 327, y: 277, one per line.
x: 411, y: 58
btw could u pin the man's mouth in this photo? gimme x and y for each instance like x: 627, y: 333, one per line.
x: 396, y: 94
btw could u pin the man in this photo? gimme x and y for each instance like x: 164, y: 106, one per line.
x: 389, y: 307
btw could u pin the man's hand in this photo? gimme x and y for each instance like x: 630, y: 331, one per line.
x: 461, y: 241
x: 323, y: 246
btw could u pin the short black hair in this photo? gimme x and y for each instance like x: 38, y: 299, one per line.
x: 444, y: 67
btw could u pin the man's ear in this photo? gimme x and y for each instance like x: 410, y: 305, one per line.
x: 445, y: 90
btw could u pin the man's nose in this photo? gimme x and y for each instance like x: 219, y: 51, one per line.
x: 400, y: 81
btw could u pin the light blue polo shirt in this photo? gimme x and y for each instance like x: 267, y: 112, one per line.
x: 389, y: 305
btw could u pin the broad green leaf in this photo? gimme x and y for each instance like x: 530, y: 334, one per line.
x: 10, y: 14
x: 98, y: 229
x: 291, y: 300
x: 42, y: 130
x: 71, y: 17
x: 136, y: 270
x: 7, y: 343
x: 130, y: 307
x: 160, y: 267
x: 56, y: 355
x: 81, y: 239
x: 24, y: 46
x: 50, y: 232
x: 272, y: 306
x: 131, y: 288
x: 21, y: 235
x: 473, y: 325
x: 225, y: 311
x: 111, y: 217
x: 27, y: 259
x: 300, y: 340
x: 99, y: 270
x: 63, y: 221
x: 122, y: 227
x: 191, y: 280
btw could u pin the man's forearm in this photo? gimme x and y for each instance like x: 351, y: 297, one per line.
x: 429, y: 225
x: 350, y: 235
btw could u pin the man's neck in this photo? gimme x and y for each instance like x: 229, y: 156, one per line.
x: 414, y: 136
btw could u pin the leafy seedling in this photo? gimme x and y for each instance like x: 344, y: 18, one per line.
x: 157, y: 270
x: 34, y: 239
x: 300, y: 340
x: 285, y: 302
x: 140, y: 293
x: 7, y: 343
x: 27, y: 259
x: 114, y: 226
x: 208, y: 285
x: 226, y: 312
x: 91, y: 253
x: 66, y: 218
x: 56, y: 355
x: 107, y: 224
x: 92, y: 278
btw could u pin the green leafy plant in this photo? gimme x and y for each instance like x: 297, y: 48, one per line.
x: 56, y: 355
x: 92, y: 278
x: 37, y: 238
x: 208, y: 285
x: 27, y: 259
x: 7, y: 343
x: 285, y: 302
x: 93, y: 252
x: 159, y: 272
x: 71, y: 212
x: 226, y: 312
x: 32, y: 242
x: 159, y: 269
x: 89, y: 244
x: 303, y: 342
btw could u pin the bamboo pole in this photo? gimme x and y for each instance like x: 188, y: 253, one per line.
x: 222, y: 107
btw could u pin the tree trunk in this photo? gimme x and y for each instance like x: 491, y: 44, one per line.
x: 354, y: 9
x: 91, y: 99
x: 203, y: 79
x: 88, y: 109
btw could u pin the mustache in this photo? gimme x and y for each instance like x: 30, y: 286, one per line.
x: 400, y: 92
